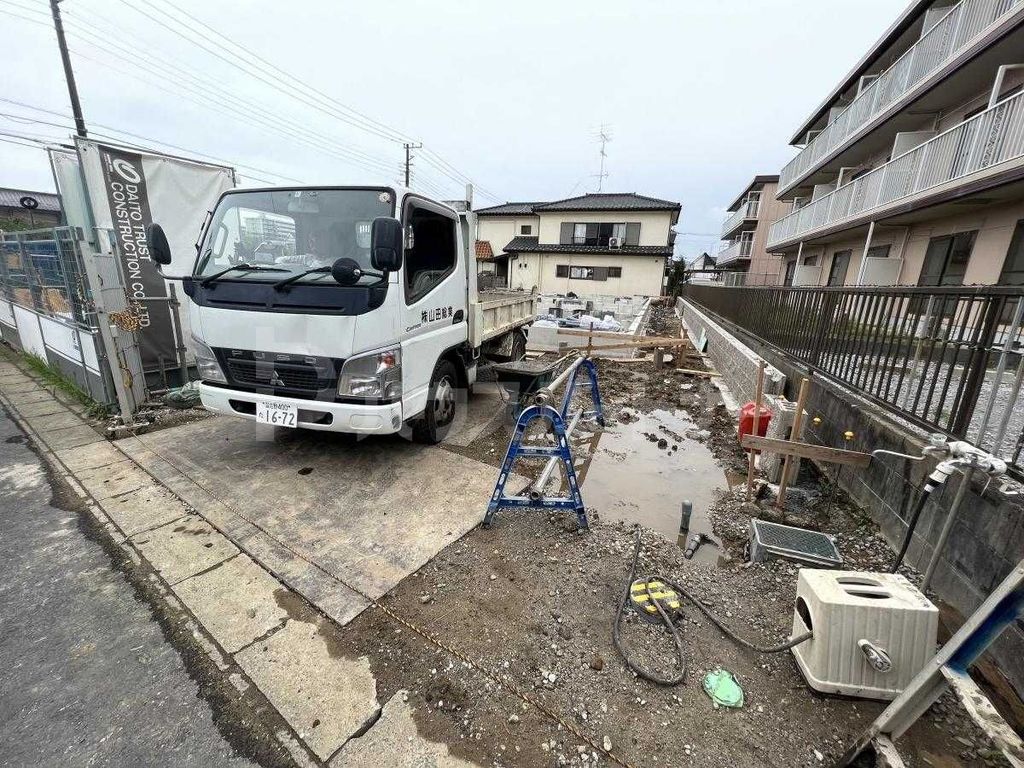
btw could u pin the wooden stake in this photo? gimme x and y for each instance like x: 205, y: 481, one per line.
x: 757, y: 424
x: 798, y: 422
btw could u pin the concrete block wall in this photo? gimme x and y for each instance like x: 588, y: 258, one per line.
x: 987, y: 540
x: 734, y: 360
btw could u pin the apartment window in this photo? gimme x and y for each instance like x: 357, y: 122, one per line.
x: 598, y: 234
x: 840, y: 266
x: 810, y: 261
x: 945, y: 261
x: 879, y: 251
x: 1013, y: 268
x: 790, y: 270
x: 526, y: 229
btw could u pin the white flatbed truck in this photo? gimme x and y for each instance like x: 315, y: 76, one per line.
x: 352, y: 309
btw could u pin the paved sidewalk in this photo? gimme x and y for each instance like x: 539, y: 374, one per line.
x: 88, y: 677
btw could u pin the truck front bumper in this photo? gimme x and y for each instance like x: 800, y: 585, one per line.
x: 313, y: 414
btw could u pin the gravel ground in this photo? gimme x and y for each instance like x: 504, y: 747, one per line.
x: 532, y: 601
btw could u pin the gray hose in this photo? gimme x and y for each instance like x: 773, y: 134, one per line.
x: 677, y: 638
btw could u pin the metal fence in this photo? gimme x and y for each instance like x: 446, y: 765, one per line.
x: 42, y: 270
x: 944, y: 359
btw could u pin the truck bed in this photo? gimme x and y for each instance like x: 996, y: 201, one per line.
x: 497, y: 312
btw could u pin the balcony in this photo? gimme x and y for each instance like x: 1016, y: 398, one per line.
x: 746, y: 212
x: 985, y: 145
x: 736, y: 250
x: 950, y: 37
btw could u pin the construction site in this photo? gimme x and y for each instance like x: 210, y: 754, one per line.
x: 301, y: 467
x: 481, y: 596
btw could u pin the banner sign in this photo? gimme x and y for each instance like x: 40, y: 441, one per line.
x: 128, y: 201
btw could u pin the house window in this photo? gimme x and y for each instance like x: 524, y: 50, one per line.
x: 810, y: 261
x: 432, y: 257
x: 945, y: 261
x: 840, y: 266
x: 599, y: 234
x: 879, y: 251
x: 574, y: 272
x: 526, y: 229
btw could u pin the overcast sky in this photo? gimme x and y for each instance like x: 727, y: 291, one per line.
x: 698, y: 96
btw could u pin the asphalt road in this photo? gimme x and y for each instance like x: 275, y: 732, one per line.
x: 86, y: 676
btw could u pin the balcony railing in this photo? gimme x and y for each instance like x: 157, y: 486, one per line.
x: 738, y: 249
x: 951, y: 35
x: 747, y: 210
x: 992, y: 137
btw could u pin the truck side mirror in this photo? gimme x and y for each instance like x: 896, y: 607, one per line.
x: 386, y: 244
x: 159, y: 249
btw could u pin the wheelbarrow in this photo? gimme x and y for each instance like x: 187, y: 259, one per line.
x: 523, y: 379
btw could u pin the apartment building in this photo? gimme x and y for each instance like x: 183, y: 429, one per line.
x: 744, y: 251
x: 911, y: 171
x: 611, y: 244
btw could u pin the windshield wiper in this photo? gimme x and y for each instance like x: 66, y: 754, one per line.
x: 298, y: 276
x: 248, y: 267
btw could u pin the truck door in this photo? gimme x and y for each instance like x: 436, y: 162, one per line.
x: 434, y: 296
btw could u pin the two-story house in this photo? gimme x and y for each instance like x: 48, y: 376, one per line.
x: 611, y: 244
x: 910, y: 171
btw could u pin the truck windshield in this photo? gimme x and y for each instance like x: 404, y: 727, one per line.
x: 292, y: 230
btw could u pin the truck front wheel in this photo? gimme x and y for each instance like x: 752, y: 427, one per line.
x: 440, y: 412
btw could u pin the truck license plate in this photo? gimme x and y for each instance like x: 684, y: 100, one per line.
x: 277, y: 414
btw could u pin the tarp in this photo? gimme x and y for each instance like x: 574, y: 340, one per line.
x: 129, y: 189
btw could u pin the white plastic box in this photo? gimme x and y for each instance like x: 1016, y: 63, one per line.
x: 854, y: 616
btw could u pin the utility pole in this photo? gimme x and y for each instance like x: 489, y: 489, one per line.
x: 408, y: 160
x: 69, y: 75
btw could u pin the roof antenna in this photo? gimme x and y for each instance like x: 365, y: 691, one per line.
x: 604, y: 135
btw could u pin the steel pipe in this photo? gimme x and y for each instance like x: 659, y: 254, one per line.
x: 537, y: 489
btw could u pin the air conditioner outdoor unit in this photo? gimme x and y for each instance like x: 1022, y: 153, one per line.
x: 615, y: 243
x: 872, y: 632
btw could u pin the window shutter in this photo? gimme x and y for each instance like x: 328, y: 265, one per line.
x: 565, y: 233
x: 600, y: 273
x: 633, y: 233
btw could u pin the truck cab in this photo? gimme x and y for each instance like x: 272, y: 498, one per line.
x: 351, y: 309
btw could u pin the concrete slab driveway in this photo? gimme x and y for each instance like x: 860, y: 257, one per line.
x: 313, y: 507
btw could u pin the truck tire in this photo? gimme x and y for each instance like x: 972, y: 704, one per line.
x: 441, y: 400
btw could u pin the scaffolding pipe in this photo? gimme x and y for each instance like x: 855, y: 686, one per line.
x: 547, y: 394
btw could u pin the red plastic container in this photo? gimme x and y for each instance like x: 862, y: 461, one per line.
x: 747, y: 421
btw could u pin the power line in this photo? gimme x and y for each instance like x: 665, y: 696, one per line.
x: 145, y: 138
x: 252, y: 109
x: 360, y: 121
x: 429, y: 155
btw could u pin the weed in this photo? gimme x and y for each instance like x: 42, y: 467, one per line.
x: 65, y: 384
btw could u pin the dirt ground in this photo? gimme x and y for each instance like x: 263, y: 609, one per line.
x: 532, y: 601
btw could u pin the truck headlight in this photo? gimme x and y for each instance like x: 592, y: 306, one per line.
x: 206, y: 363
x: 375, y: 376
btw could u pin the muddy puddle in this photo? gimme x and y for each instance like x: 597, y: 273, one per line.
x: 633, y: 476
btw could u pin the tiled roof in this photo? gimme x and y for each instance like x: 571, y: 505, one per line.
x: 11, y: 198
x: 483, y: 249
x: 531, y: 245
x: 508, y: 209
x: 598, y: 201
x: 610, y: 201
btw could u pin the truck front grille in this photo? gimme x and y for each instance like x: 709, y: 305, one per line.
x: 314, y: 378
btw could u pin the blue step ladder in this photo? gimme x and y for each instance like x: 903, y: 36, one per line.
x: 557, y: 418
